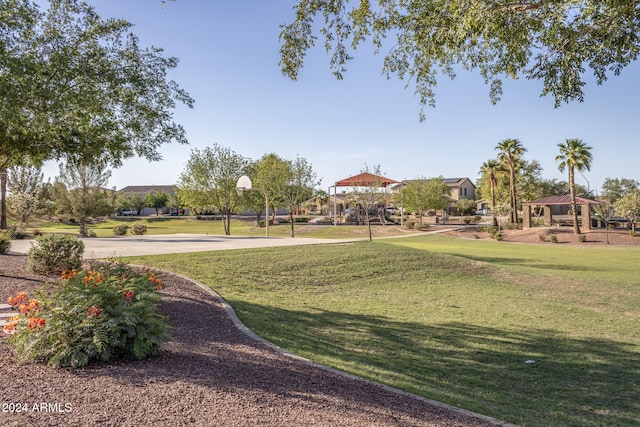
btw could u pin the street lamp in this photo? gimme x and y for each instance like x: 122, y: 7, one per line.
x: 244, y: 184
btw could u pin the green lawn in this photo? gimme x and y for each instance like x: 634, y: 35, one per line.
x: 239, y: 227
x: 452, y: 320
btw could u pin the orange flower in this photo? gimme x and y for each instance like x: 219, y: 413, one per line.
x: 9, y: 328
x: 93, y: 311
x: 20, y: 298
x: 129, y: 295
x: 69, y: 274
x: 35, y: 323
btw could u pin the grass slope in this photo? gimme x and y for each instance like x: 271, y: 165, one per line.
x: 451, y: 320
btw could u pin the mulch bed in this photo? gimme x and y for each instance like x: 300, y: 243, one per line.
x: 210, y: 373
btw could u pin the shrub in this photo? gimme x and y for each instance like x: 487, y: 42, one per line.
x: 582, y: 238
x: 410, y: 224
x: 542, y: 237
x: 513, y: 226
x: 104, y: 313
x: 55, y: 253
x: 120, y: 229
x: 491, y: 229
x: 5, y: 242
x: 498, y: 236
x: 139, y: 229
x: 554, y: 238
x: 632, y: 233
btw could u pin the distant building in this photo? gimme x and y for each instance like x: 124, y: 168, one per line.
x: 143, y: 190
x: 461, y: 188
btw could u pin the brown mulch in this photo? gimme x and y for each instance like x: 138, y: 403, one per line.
x: 210, y: 373
x: 542, y: 235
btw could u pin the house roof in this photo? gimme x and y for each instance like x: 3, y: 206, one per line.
x: 144, y: 189
x: 451, y: 182
x: 562, y: 199
x: 365, y: 179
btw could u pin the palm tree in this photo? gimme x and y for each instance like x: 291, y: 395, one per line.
x: 511, y: 150
x: 574, y: 155
x: 491, y: 168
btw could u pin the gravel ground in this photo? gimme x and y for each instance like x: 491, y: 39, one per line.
x: 210, y: 373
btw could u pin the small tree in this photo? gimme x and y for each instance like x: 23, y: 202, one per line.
x: 465, y: 206
x: 302, y: 180
x: 413, y: 197
x: 502, y: 209
x: 157, y: 200
x: 370, y: 193
x: 23, y: 206
x: 26, y: 185
x: 604, y: 212
x: 85, y: 195
x: 132, y: 202
x: 209, y: 181
x: 628, y: 206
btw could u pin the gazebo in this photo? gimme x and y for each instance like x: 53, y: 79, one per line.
x: 548, y: 203
x: 364, y: 179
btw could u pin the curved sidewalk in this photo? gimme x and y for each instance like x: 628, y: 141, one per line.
x: 105, y: 247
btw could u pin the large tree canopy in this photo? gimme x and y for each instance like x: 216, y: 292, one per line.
x: 75, y: 84
x: 553, y: 41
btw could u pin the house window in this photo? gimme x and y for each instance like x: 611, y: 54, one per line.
x: 465, y: 191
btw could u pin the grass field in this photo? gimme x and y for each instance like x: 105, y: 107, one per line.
x: 239, y: 227
x: 452, y: 320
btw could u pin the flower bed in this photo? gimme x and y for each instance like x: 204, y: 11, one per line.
x: 103, y: 312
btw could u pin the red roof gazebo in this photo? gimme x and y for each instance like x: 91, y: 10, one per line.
x: 560, y: 200
x: 365, y: 179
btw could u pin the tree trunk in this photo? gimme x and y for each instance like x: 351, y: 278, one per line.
x: 291, y: 220
x: 574, y: 206
x: 514, y: 198
x: 3, y: 198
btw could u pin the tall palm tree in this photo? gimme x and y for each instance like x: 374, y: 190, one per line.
x: 574, y: 155
x: 490, y: 169
x: 511, y: 151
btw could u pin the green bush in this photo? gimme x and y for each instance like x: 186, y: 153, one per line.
x: 491, y: 229
x: 498, y: 236
x: 302, y: 219
x: 632, y: 233
x: 54, y: 253
x: 410, y: 224
x: 139, y: 229
x: 120, y: 230
x: 554, y: 238
x: 5, y: 242
x: 582, y: 238
x: 105, y: 313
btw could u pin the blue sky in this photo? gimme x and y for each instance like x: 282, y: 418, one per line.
x: 228, y: 53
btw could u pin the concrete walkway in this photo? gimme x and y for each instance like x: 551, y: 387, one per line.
x: 124, y: 246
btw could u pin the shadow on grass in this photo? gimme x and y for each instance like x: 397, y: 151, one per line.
x: 529, y: 263
x: 584, y: 382
x: 214, y: 365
